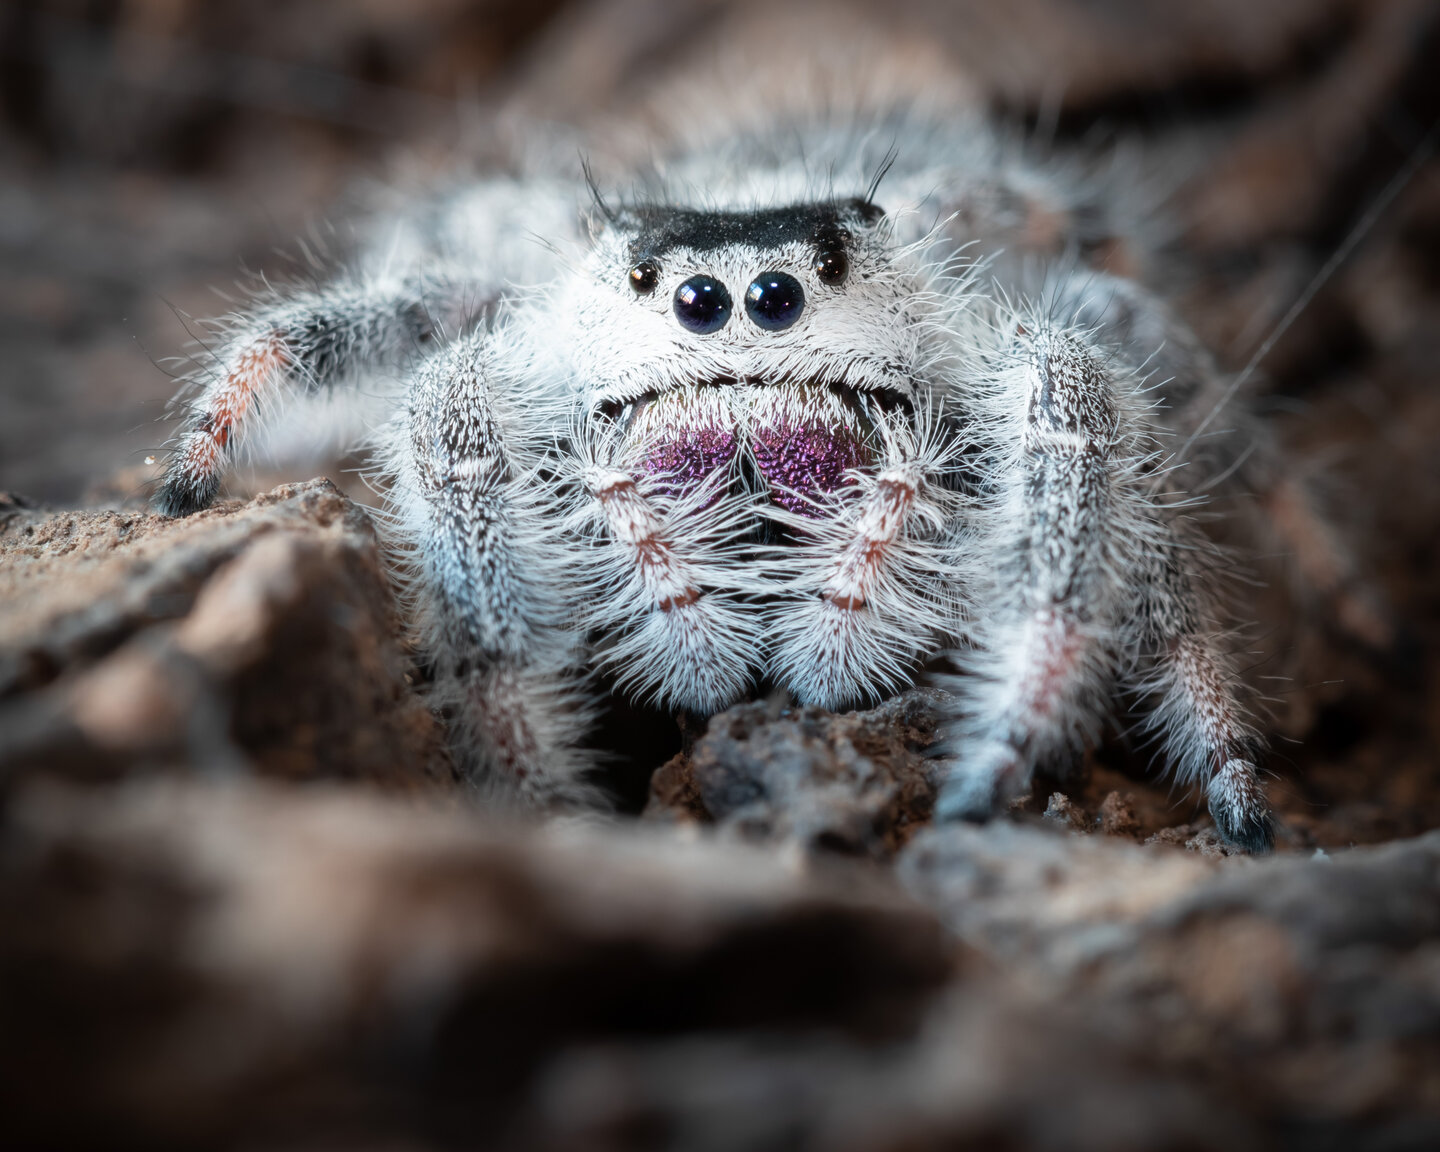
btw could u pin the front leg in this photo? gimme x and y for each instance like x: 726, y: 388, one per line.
x: 1047, y: 586
x: 312, y: 342
x: 492, y: 576
x: 1093, y: 569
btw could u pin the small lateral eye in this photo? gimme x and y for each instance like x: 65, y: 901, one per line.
x: 833, y: 268
x: 644, y: 276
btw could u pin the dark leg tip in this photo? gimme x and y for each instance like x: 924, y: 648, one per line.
x: 954, y: 806
x: 1237, y: 802
x: 1250, y: 831
x: 181, y: 497
x: 979, y: 787
x: 1253, y: 834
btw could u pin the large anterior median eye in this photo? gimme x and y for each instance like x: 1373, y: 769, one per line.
x: 702, y: 304
x: 774, y: 300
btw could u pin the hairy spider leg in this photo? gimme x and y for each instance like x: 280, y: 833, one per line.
x: 304, y: 344
x: 1097, y: 567
x: 1040, y: 669
x: 472, y: 524
x: 1207, y: 733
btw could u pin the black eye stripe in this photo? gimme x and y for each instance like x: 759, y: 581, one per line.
x: 658, y: 228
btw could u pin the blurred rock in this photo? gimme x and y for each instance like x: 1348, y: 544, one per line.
x: 988, y: 1072
x: 857, y: 784
x: 192, y: 964
x: 202, y: 965
x: 259, y: 636
x: 1134, y: 1000
x: 1305, y: 990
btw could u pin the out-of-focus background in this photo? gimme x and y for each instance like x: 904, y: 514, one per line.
x: 152, y: 150
x: 243, y: 901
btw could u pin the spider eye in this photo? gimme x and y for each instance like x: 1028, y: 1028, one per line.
x: 833, y: 268
x: 702, y: 304
x: 774, y: 300
x: 644, y: 276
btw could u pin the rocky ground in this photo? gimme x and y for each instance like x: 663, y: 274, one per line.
x: 244, y: 902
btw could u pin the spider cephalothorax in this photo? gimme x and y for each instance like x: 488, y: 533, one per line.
x: 754, y: 433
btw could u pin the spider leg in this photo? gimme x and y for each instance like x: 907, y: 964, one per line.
x: 1055, y: 514
x: 310, y: 343
x: 1076, y: 507
x: 473, y: 525
x: 363, y: 330
x: 1203, y: 724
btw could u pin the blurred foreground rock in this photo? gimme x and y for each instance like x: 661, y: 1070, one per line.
x: 261, y: 636
x: 1133, y: 1002
x: 190, y: 964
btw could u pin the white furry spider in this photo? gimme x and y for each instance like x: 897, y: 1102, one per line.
x: 770, y: 419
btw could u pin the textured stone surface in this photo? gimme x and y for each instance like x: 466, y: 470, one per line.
x: 261, y: 636
x: 857, y: 784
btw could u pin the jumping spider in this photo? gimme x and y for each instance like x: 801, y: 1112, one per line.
x: 768, y: 418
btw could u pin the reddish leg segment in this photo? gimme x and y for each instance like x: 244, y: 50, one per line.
x: 313, y: 342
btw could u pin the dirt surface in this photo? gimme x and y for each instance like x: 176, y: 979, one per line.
x: 244, y: 901
x: 262, y: 638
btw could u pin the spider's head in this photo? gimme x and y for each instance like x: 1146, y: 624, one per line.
x: 808, y: 294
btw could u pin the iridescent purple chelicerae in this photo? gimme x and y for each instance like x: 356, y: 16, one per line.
x: 806, y: 441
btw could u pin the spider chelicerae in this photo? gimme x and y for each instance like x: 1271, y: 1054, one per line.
x: 809, y: 408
